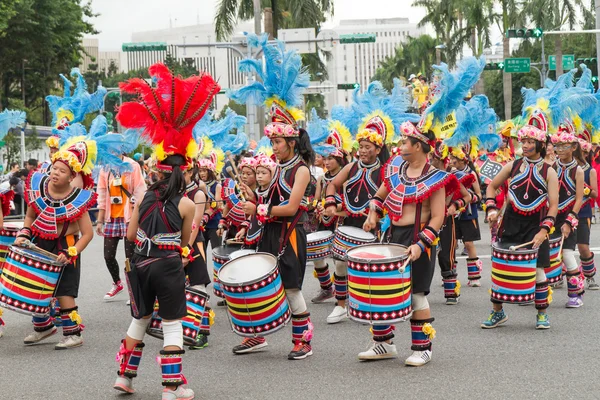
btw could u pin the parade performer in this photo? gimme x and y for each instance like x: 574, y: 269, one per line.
x: 282, y: 83
x: 209, y: 170
x: 9, y: 119
x: 455, y: 202
x: 162, y: 221
x: 117, y: 190
x: 533, y: 191
x: 57, y: 221
x: 359, y: 180
x: 336, y: 145
x: 413, y: 194
x: 476, y: 129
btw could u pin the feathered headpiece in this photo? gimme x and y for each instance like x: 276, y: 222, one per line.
x: 264, y: 147
x: 215, y: 161
x: 476, y: 128
x: 210, y: 130
x: 167, y: 114
x: 10, y: 119
x: 382, y: 112
x: 329, y: 137
x: 72, y: 108
x: 282, y: 81
x: 546, y: 108
x: 447, y: 97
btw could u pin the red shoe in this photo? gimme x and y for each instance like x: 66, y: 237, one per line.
x: 300, y: 351
x: 114, y: 291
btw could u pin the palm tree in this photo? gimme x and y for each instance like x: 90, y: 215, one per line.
x: 445, y: 18
x: 286, y: 14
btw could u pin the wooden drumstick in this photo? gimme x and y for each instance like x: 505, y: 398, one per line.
x: 32, y: 246
x: 403, y: 267
x: 513, y: 248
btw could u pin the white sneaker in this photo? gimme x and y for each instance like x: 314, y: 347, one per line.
x: 114, y: 291
x: 68, y: 342
x: 1, y: 330
x: 124, y: 384
x: 337, y: 315
x: 418, y: 358
x: 179, y: 393
x: 128, y: 303
x: 474, y: 283
x: 379, y: 351
x: 36, y: 337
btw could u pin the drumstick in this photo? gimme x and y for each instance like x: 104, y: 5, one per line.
x: 403, y: 267
x: 236, y: 185
x: 32, y: 246
x: 233, y: 241
x: 513, y: 248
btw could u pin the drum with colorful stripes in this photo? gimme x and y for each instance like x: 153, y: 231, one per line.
x: 254, y: 293
x: 513, y: 274
x: 8, y: 235
x: 554, y: 271
x: 28, y: 281
x: 221, y: 255
x: 195, y: 303
x: 379, y: 292
x: 347, y: 237
x: 318, y: 245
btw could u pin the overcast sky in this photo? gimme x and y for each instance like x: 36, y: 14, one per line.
x: 119, y: 18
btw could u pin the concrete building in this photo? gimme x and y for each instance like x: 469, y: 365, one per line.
x: 106, y: 58
x: 90, y: 54
x: 357, y: 63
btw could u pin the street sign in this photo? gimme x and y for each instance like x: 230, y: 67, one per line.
x: 517, y: 65
x: 568, y: 61
x: 358, y: 38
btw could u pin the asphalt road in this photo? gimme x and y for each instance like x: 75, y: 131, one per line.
x: 512, y: 362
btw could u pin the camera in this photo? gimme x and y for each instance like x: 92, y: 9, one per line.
x: 116, y: 200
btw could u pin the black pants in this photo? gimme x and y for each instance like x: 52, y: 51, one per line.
x: 110, y: 255
x: 446, y: 256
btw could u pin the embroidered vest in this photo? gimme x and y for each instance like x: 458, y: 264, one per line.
x: 528, y: 190
x: 360, y: 188
x: 567, y: 189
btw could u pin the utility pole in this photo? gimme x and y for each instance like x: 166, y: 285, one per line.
x: 597, y: 5
x: 257, y: 15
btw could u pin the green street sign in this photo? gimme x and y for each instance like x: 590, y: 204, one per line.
x: 517, y: 65
x: 568, y: 61
x: 2, y: 143
x: 358, y: 38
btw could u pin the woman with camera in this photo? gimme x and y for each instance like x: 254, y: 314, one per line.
x: 117, y: 192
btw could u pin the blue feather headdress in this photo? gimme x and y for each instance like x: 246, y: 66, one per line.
x: 72, y: 108
x: 450, y: 93
x: 281, y: 83
x: 10, y: 119
x: 210, y: 132
x: 476, y: 127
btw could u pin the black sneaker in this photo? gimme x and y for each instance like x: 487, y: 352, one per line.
x: 221, y: 303
x: 201, y: 342
x: 300, y: 351
x: 250, y: 345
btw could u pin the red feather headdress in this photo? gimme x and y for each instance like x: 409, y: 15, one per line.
x: 168, y: 112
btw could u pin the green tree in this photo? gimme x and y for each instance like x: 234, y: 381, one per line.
x: 12, y: 145
x: 32, y: 141
x: 41, y: 39
x: 445, y: 18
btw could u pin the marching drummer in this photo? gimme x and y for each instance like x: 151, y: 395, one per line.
x: 530, y: 215
x: 51, y: 227
x: 358, y: 182
x: 416, y: 222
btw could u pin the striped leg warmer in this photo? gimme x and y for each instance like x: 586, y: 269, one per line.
x: 421, y: 333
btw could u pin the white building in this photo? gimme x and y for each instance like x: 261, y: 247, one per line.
x: 357, y: 63
x: 90, y: 54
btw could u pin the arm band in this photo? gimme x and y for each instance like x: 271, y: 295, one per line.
x: 548, y: 223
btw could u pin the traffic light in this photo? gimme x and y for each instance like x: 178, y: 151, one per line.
x: 594, y: 79
x: 347, y: 86
x: 593, y: 61
x: 494, y: 66
x: 524, y: 33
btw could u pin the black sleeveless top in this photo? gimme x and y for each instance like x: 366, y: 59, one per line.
x: 567, y: 187
x: 159, y: 227
x: 281, y: 188
x: 363, y: 182
x: 528, y: 190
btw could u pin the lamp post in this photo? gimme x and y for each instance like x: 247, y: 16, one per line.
x: 438, y: 53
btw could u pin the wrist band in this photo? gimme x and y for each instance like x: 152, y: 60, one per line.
x: 474, y: 198
x: 376, y: 206
x: 572, y: 220
x: 459, y: 204
x: 490, y: 204
x: 421, y: 246
x: 186, y: 251
x: 330, y: 201
x: 548, y: 224
x: 24, y: 233
x: 428, y: 236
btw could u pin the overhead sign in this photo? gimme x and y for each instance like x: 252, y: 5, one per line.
x: 568, y: 62
x: 517, y: 65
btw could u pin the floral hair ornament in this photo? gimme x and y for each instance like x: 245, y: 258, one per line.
x: 531, y: 132
x: 248, y: 162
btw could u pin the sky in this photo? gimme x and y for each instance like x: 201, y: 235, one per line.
x: 119, y: 18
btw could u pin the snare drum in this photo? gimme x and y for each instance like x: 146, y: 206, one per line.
x: 195, y: 302
x: 554, y: 271
x: 318, y: 245
x: 8, y: 235
x: 28, y: 281
x: 378, y: 293
x: 220, y: 256
x: 254, y: 294
x: 239, y: 253
x: 513, y: 274
x: 347, y: 237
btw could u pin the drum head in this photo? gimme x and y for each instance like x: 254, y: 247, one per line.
x: 505, y: 248
x: 316, y: 236
x: 239, y: 253
x: 357, y: 233
x: 225, y: 251
x: 375, y: 252
x: 31, y: 253
x: 13, y: 224
x: 247, y: 269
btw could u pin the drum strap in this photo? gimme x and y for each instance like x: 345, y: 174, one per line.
x: 286, y: 232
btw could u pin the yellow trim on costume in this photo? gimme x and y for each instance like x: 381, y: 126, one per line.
x: 344, y: 134
x: 62, y: 113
